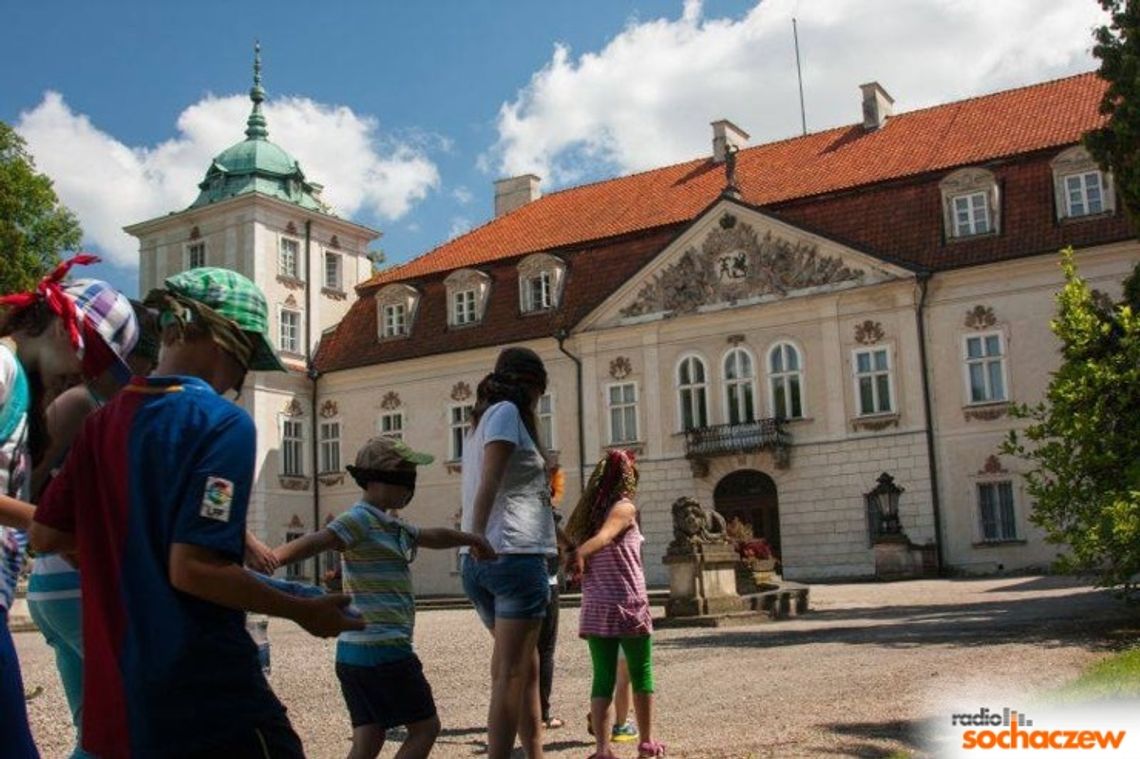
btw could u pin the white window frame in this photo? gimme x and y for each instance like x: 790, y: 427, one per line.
x: 335, y: 283
x: 749, y: 382
x: 552, y: 271
x: 295, y: 347
x: 329, y: 445
x: 547, y: 299
x: 545, y: 419
x: 392, y: 430
x: 300, y: 441
x: 785, y: 376
x: 464, y: 307
x: 288, y: 263
x: 985, y: 360
x: 461, y: 425
x: 403, y: 296
x: 609, y: 406
x: 1082, y: 177
x: 698, y: 399
x: 889, y: 371
x: 975, y: 214
x: 394, y: 327
x: 1001, y: 536
x: 193, y: 248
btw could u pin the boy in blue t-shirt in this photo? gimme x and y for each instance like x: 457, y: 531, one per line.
x: 380, y: 676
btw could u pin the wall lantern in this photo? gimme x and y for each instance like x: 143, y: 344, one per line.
x: 883, y: 506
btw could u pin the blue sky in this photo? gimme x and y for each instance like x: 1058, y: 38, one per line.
x: 407, y: 112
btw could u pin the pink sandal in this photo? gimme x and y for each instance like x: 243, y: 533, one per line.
x: 650, y: 749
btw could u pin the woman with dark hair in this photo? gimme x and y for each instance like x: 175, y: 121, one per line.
x: 506, y: 498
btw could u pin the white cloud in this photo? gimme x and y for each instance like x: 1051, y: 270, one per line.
x: 109, y: 184
x: 462, y: 195
x: 646, y: 98
x: 459, y: 225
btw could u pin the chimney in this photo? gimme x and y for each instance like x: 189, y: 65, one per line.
x: 726, y: 134
x: 877, y: 106
x: 515, y: 192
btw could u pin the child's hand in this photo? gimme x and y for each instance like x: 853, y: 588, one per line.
x: 327, y: 616
x: 259, y: 556
x: 481, y: 549
x: 575, y: 565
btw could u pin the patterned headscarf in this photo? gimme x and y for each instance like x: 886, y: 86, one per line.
x: 50, y: 291
x: 614, y: 478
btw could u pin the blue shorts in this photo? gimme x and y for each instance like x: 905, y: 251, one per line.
x: 513, y: 586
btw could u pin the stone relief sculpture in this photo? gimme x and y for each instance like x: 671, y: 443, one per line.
x: 693, y: 526
x: 733, y: 264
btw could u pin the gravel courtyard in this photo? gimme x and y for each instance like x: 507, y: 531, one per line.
x: 852, y: 678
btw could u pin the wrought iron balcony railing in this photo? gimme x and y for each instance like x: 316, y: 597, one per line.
x: 747, y: 437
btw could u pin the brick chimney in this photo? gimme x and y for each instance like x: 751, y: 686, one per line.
x: 878, y: 106
x: 725, y: 133
x: 515, y: 192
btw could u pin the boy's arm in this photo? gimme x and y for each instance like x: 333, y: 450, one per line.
x: 205, y: 574
x: 444, y: 537
x: 14, y: 513
x: 308, y: 546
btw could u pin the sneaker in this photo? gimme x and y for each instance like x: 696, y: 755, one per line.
x: 626, y: 733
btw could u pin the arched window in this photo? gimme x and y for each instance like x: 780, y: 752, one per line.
x: 785, y: 378
x: 739, y: 387
x: 693, y: 390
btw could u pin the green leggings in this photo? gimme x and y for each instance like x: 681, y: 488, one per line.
x: 638, y: 657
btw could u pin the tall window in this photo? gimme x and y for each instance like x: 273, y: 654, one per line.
x: 971, y: 215
x: 290, y: 324
x: 332, y: 271
x: 546, y: 422
x: 738, y: 386
x: 395, y: 320
x: 873, y: 381
x: 693, y: 391
x: 296, y: 570
x: 463, y: 305
x: 287, y: 260
x: 623, y: 412
x: 995, y: 508
x: 195, y: 255
x: 460, y: 424
x: 536, y: 292
x: 292, y: 447
x: 1083, y: 194
x: 985, y: 370
x: 786, y: 381
x: 392, y: 424
x: 330, y: 446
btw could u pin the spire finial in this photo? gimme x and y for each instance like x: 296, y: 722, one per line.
x: 255, y: 126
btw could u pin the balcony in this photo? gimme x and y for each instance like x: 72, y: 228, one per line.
x: 705, y: 443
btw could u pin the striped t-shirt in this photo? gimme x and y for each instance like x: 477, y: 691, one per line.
x: 377, y: 551
x: 14, y: 465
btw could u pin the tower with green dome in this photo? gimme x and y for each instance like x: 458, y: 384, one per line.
x: 257, y: 213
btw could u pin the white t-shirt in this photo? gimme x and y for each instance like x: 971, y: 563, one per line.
x: 521, y: 519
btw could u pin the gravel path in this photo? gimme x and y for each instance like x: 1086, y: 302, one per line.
x: 852, y: 678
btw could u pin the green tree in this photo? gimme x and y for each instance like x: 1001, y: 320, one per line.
x: 1083, y: 441
x: 34, y: 227
x: 1116, y: 145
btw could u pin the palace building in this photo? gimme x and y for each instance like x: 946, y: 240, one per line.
x: 771, y: 328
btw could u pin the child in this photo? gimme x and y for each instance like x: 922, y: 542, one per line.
x: 615, y: 604
x: 154, y: 495
x: 57, y: 330
x: 380, y: 676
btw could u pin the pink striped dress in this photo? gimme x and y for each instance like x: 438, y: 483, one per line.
x: 615, y: 603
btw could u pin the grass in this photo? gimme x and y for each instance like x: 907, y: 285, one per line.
x: 1116, y: 677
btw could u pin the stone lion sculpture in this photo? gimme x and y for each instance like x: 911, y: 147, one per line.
x: 693, y: 526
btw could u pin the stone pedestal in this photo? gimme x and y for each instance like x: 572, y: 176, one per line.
x: 897, y: 558
x: 702, y: 581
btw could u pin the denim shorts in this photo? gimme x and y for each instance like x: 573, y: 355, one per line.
x: 513, y: 586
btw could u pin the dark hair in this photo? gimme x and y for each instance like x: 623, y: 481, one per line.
x: 34, y: 321
x: 516, y: 370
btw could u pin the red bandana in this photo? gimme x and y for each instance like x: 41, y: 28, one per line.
x: 50, y: 290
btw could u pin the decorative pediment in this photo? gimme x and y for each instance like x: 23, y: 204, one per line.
x: 980, y: 317
x: 460, y: 392
x: 620, y: 368
x: 735, y: 263
x: 390, y: 401
x: 329, y: 409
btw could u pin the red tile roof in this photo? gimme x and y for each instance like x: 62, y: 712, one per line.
x: 955, y: 134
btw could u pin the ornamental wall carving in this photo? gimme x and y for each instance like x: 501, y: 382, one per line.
x: 869, y: 332
x: 294, y: 408
x: 390, y: 401
x: 461, y: 391
x: 734, y: 264
x: 620, y: 368
x: 980, y: 317
x: 329, y: 409
x: 993, y: 466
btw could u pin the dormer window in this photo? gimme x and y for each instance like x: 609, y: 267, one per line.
x: 1080, y: 188
x: 396, y: 311
x: 970, y: 203
x: 466, y: 296
x: 540, y: 282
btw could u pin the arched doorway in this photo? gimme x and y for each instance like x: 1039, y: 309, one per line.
x: 750, y: 496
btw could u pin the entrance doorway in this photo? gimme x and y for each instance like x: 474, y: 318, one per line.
x: 750, y: 496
